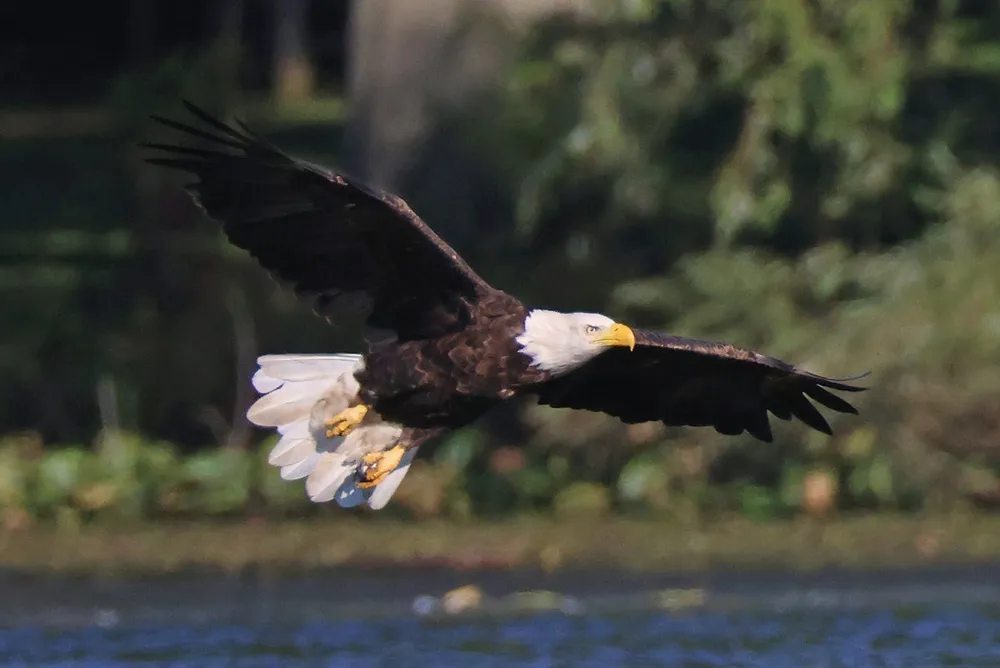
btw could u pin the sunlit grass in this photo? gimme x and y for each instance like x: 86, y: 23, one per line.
x: 532, y: 542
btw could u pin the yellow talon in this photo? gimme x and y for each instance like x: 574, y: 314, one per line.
x: 346, y: 420
x: 375, y: 466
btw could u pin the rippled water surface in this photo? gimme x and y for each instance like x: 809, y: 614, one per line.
x: 934, y: 624
x: 944, y: 637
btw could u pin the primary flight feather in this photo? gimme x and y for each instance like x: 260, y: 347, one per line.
x: 451, y: 346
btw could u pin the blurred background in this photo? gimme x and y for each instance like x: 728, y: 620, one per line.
x: 817, y: 180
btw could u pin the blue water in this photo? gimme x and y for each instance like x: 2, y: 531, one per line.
x: 884, y: 638
x: 735, y: 620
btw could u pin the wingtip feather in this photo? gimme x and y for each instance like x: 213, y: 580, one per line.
x: 830, y: 400
x: 840, y: 384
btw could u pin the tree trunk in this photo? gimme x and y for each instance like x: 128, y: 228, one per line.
x: 292, y: 69
x: 417, y: 70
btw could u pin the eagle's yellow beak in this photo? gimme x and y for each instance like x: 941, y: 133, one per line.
x: 617, y: 335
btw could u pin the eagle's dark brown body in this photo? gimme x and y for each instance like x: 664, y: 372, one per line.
x: 453, y: 379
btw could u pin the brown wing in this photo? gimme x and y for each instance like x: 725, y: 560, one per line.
x: 682, y: 381
x: 336, y: 240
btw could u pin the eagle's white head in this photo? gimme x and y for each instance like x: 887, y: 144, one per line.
x: 561, y: 342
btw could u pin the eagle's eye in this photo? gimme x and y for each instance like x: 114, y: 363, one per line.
x: 592, y: 329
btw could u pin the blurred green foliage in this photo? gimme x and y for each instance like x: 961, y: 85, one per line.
x: 818, y: 180
x: 126, y: 478
x: 814, y: 179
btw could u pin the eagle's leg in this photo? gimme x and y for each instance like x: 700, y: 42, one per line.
x: 345, y: 421
x: 377, y: 465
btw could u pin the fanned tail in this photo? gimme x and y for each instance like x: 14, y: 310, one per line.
x: 299, y: 393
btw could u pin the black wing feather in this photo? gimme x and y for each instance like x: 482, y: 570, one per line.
x: 831, y: 401
x: 339, y: 242
x: 690, y: 382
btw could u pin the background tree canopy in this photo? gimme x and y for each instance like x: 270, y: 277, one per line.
x: 814, y: 178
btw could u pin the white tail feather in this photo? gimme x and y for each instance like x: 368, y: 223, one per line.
x: 290, y: 448
x: 327, y: 476
x: 307, y: 367
x: 292, y: 452
x: 286, y: 403
x: 300, y: 470
x: 291, y: 385
x: 300, y: 392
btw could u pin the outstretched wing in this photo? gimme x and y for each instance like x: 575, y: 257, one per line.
x: 683, y: 381
x: 342, y: 244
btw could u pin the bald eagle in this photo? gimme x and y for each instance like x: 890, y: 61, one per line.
x: 445, y: 346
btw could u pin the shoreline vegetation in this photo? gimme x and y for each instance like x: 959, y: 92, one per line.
x: 538, y: 543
